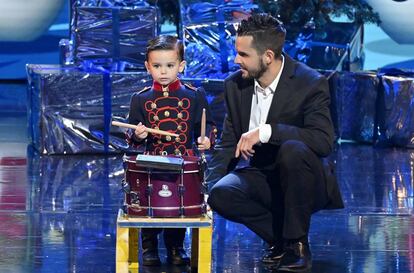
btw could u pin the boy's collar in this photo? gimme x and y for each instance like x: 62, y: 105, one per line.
x: 175, y: 85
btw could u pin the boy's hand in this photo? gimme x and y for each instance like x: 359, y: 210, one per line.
x: 140, y: 132
x: 205, y: 145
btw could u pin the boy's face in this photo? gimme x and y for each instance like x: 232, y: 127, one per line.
x: 164, y: 66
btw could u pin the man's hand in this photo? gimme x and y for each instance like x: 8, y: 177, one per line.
x: 246, y: 142
x: 140, y: 132
x: 203, y: 145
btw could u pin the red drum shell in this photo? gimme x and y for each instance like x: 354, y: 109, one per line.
x: 159, y: 192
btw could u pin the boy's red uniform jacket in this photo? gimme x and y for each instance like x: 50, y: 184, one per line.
x: 176, y: 108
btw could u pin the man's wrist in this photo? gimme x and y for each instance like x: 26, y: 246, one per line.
x: 265, y: 132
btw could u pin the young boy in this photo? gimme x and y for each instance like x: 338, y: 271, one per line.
x: 170, y: 106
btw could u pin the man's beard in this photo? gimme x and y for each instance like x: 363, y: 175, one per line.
x: 255, y: 74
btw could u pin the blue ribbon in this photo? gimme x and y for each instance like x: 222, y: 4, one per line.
x: 116, y: 51
x: 107, y: 90
x: 107, y: 101
x: 396, y: 72
x: 224, y: 51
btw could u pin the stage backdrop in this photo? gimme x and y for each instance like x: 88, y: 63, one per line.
x: 29, y: 33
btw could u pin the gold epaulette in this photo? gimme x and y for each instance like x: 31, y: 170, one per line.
x: 189, y: 86
x: 146, y: 88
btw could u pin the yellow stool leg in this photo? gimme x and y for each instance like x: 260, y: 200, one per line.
x: 122, y: 249
x: 204, y: 249
x: 133, y: 248
x: 194, y: 248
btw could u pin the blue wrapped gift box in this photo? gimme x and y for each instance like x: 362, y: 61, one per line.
x: 396, y: 110
x: 70, y: 111
x: 208, y: 30
x: 113, y: 37
x: 107, y: 3
x: 371, y: 107
x: 353, y: 98
x: 73, y: 4
x: 337, y: 47
x: 209, y: 50
x: 195, y: 12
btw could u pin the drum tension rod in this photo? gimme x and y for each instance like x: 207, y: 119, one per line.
x: 134, y: 198
x: 181, y: 189
x: 125, y: 186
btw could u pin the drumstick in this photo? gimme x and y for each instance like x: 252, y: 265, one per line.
x: 149, y: 130
x: 203, y: 125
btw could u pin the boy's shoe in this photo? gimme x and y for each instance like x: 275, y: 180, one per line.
x: 150, y: 257
x: 177, y: 256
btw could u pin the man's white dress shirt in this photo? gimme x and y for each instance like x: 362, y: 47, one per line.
x: 261, y: 101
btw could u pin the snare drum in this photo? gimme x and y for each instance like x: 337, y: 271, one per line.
x: 155, y: 190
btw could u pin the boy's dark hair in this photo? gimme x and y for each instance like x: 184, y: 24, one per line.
x: 267, y: 32
x: 166, y: 42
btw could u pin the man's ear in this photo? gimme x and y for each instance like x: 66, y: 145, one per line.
x: 269, y: 56
x: 147, y: 66
x: 182, y: 66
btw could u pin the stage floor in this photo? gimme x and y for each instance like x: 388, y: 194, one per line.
x: 58, y: 214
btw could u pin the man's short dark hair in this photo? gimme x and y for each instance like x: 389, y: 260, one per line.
x: 267, y: 32
x: 166, y: 42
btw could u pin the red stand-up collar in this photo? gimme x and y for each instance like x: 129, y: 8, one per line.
x: 175, y: 85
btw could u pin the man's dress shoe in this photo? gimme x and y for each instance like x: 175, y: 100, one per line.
x: 273, y: 255
x: 177, y: 256
x: 150, y: 257
x: 297, y: 258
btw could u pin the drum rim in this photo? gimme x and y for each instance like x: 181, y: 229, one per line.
x: 162, y: 172
x: 165, y: 208
x: 187, y: 158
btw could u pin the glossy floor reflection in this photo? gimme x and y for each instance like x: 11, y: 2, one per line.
x: 58, y: 214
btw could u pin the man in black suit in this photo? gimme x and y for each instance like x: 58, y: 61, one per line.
x: 278, y: 123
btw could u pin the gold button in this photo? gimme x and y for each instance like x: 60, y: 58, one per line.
x: 156, y: 118
x: 215, y: 130
x: 165, y: 94
x: 177, y: 139
x: 179, y: 127
x: 179, y: 115
x: 180, y: 103
x: 177, y: 151
x: 168, y: 138
x: 159, y: 141
x: 167, y: 114
x: 165, y: 89
x: 153, y: 105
